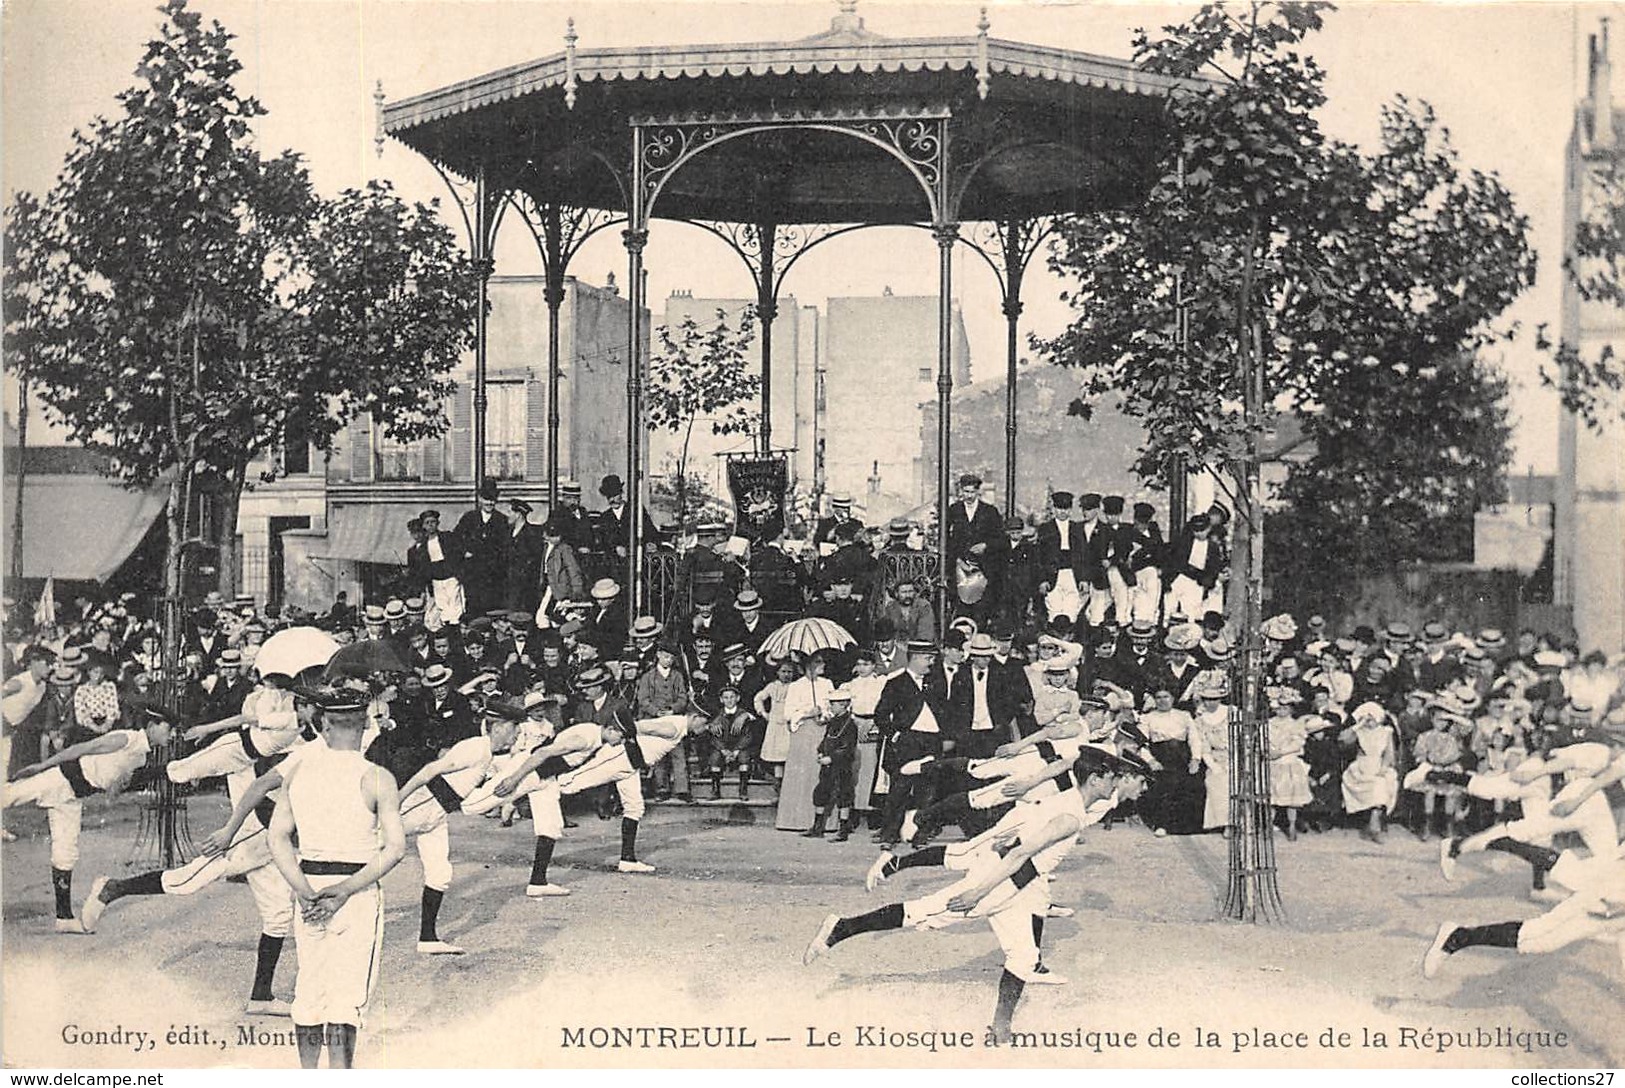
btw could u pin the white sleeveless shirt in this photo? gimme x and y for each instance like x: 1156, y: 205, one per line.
x: 324, y: 795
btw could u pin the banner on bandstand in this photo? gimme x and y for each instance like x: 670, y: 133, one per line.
x: 758, y: 486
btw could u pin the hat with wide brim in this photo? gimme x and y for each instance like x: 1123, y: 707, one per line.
x: 606, y: 589
x: 593, y: 676
x: 436, y: 675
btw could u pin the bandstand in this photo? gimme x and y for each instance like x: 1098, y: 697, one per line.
x: 776, y: 148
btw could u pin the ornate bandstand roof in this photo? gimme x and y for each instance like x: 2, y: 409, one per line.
x: 1032, y: 130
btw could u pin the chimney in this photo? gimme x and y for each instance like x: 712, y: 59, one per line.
x: 1602, y: 95
x: 609, y: 284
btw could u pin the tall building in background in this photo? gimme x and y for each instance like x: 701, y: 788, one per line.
x: 374, y: 485
x: 880, y: 368
x: 1589, y: 539
x: 794, y: 389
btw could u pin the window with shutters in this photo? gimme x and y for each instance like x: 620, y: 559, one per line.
x: 505, y: 423
x: 396, y: 460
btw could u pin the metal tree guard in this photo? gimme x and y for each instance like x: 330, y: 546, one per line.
x: 1253, y: 891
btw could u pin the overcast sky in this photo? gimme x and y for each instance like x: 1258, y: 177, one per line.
x: 1503, y: 77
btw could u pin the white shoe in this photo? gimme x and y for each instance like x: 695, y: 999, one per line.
x: 91, y: 912
x: 820, y: 942
x: 545, y: 891
x: 910, y: 827
x: 1161, y: 833
x: 914, y: 766
x: 1436, y: 955
x: 438, y: 948
x: 1447, y: 864
x: 69, y: 925
x: 1548, y: 895
x: 274, y: 1007
x: 1043, y: 976
x: 634, y: 867
x: 877, y: 872
x: 1056, y: 910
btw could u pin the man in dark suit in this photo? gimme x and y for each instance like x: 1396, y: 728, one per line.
x: 450, y: 716
x: 746, y: 627
x: 1063, y: 561
x: 1114, y: 553
x: 578, y: 524
x: 1145, y: 559
x: 434, y: 566
x: 605, y: 628
x: 486, y: 537
x: 976, y: 535
x: 611, y: 527
x: 840, y: 513
x: 908, y: 720
x: 524, y: 559
x: 1193, y: 566
x: 952, y: 677
x: 231, y: 687
x: 1097, y: 543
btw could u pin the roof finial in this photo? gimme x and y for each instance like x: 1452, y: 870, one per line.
x: 848, y: 18
x: 378, y: 115
x: 570, y: 39
x: 982, y: 27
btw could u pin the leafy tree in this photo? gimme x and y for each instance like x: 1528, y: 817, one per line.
x: 1271, y: 269
x: 1590, y: 386
x: 702, y: 373
x: 1360, y: 288
x: 184, y: 304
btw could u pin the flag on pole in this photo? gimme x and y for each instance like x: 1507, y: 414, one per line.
x: 45, y: 610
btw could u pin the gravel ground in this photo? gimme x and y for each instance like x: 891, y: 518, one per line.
x: 714, y: 939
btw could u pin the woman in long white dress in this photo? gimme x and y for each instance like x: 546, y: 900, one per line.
x: 1210, y: 748
x: 806, y: 705
x: 1370, y: 783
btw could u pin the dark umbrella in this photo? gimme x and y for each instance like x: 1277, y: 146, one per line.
x: 365, y: 658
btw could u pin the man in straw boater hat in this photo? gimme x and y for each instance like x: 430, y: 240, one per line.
x: 59, y: 783
x: 605, y: 627
x: 1005, y: 875
x: 840, y: 513
x: 346, y: 816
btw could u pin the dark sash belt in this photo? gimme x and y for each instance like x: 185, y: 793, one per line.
x: 331, y: 868
x: 449, y: 798
x: 1063, y: 781
x: 248, y: 745
x: 552, y: 767
x: 634, y: 754
x: 266, y: 763
x: 265, y: 810
x: 77, y: 781
x: 1024, y: 875
x: 1045, y: 749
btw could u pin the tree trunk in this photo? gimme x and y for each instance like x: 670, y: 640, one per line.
x: 225, y: 536
x: 682, y: 481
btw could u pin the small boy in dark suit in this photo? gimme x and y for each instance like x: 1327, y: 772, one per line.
x: 837, y: 766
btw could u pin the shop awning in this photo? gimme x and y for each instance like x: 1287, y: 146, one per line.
x: 81, y: 527
x: 370, y: 533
